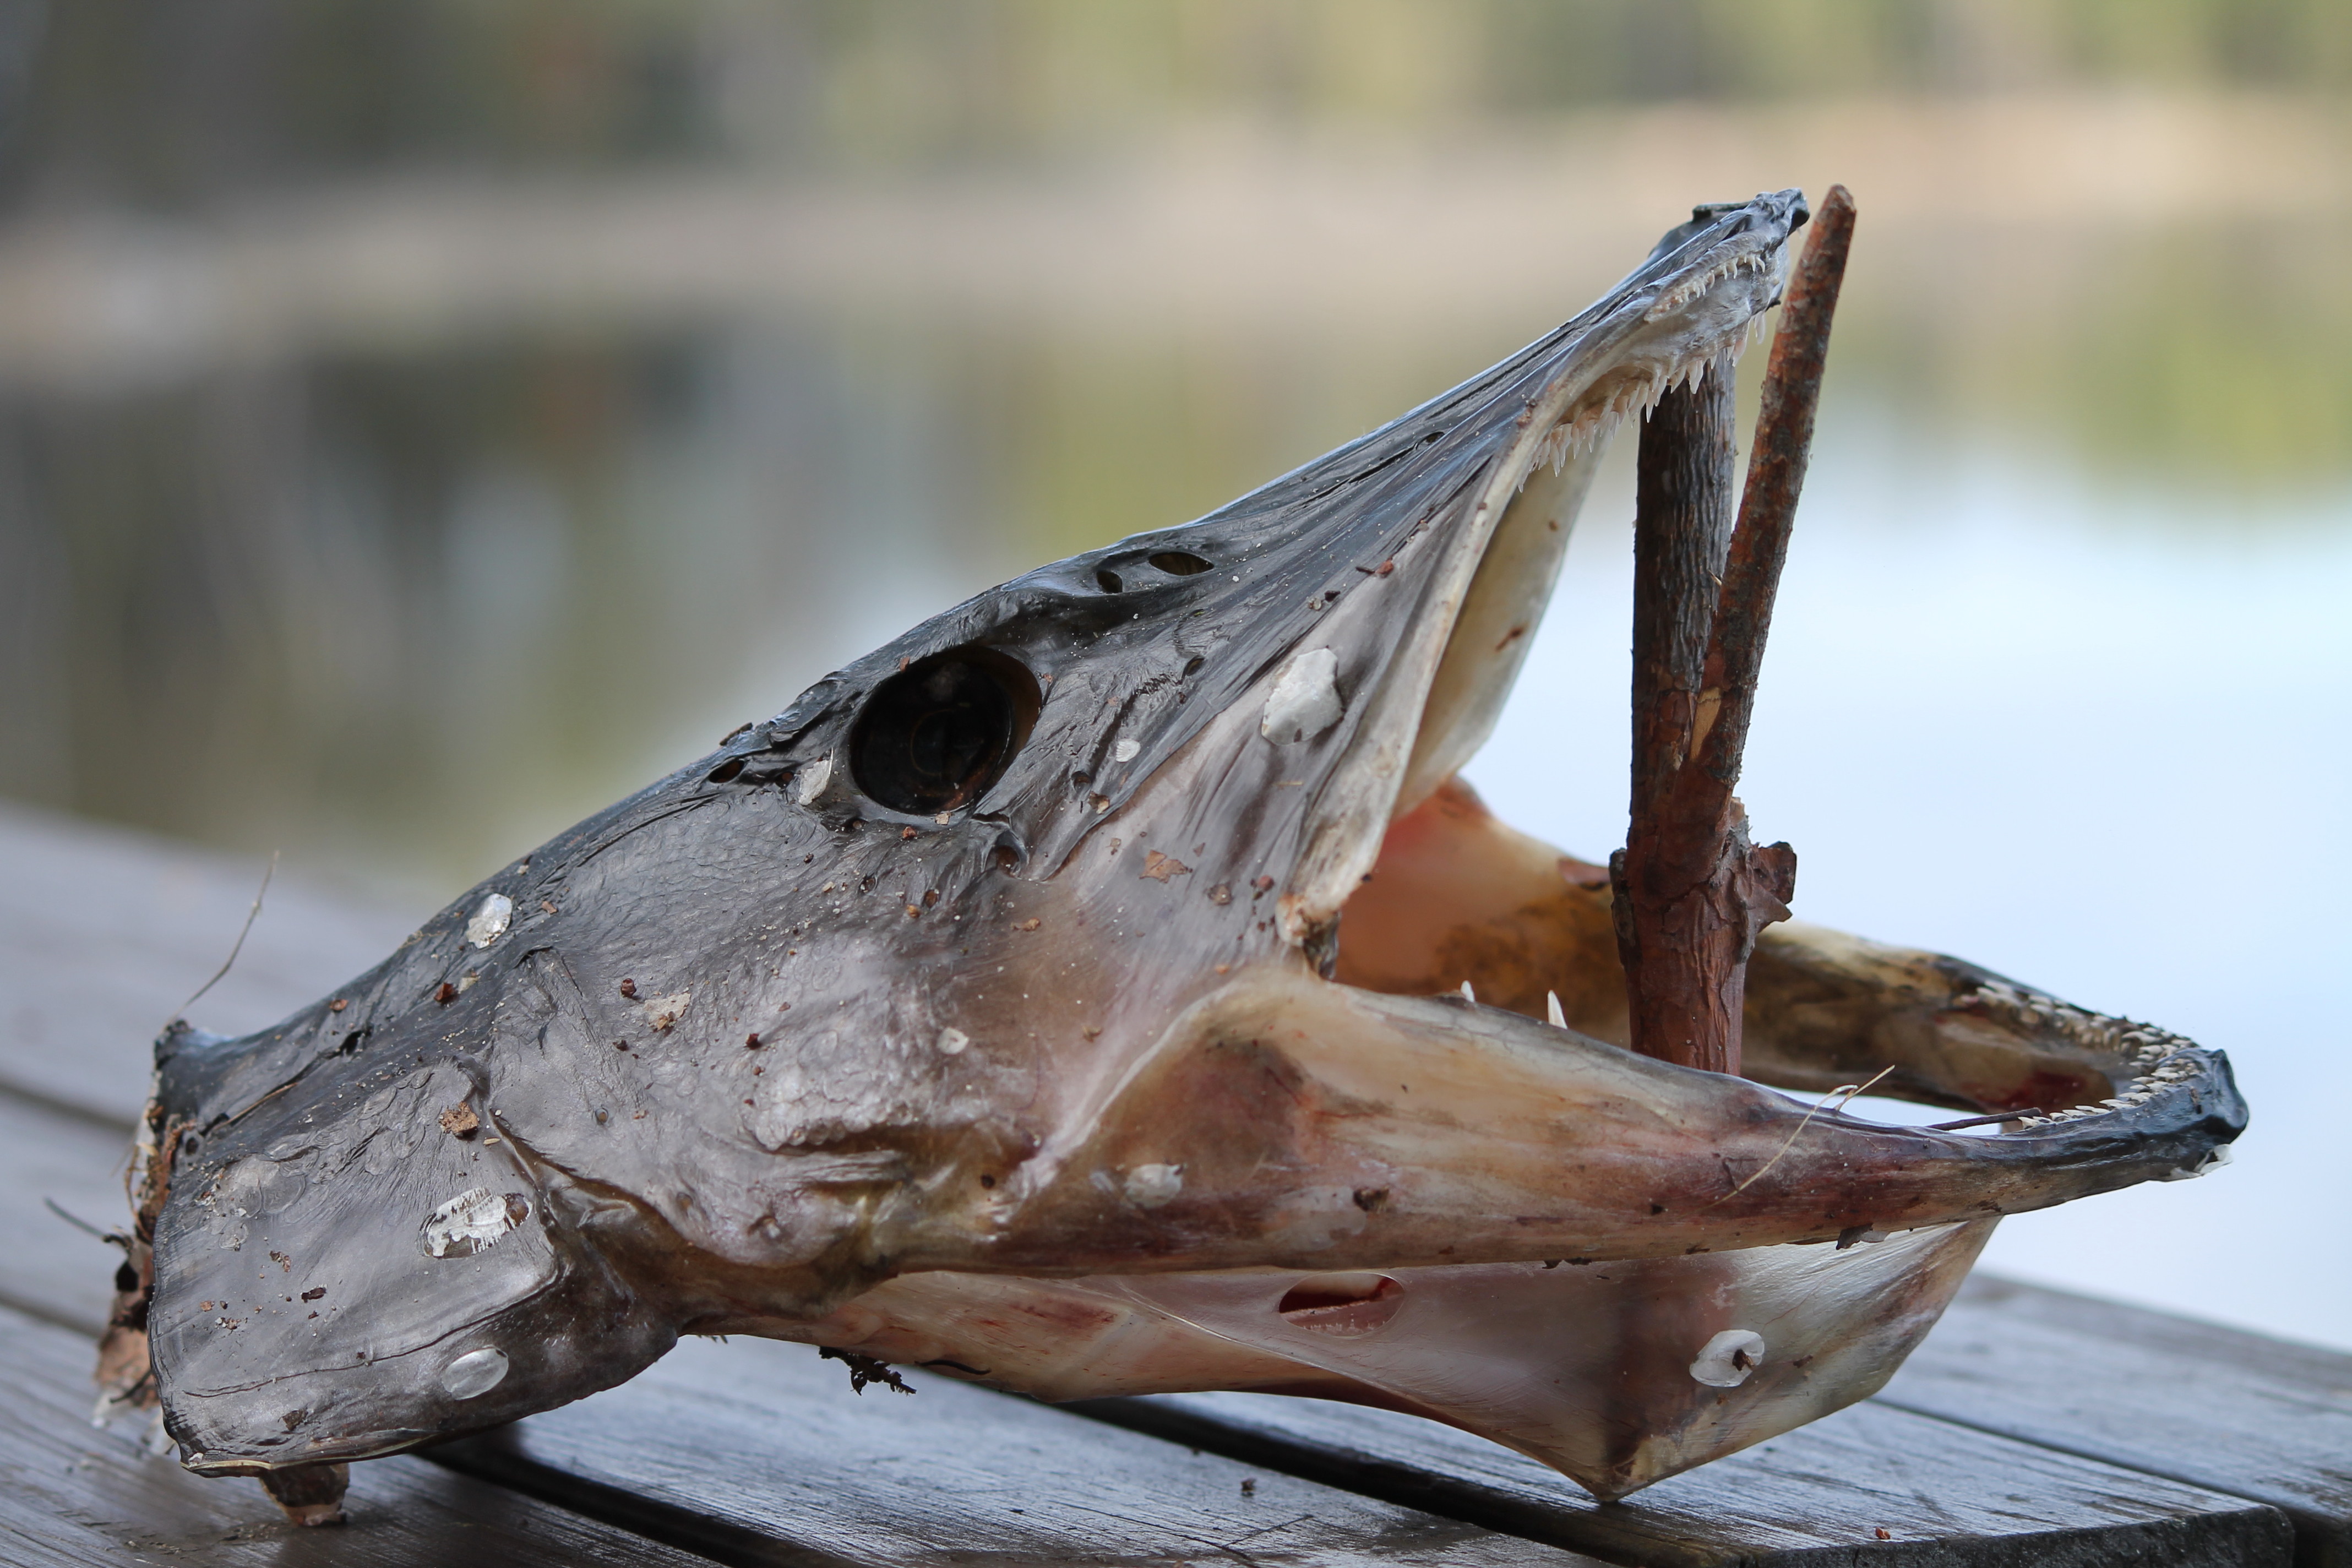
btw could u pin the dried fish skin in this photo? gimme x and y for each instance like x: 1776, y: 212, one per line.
x: 1030, y: 961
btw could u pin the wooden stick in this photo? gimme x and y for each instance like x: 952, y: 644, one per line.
x: 1776, y: 472
x: 1691, y: 891
x: 1681, y: 535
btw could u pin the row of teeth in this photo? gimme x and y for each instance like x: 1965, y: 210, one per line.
x: 1690, y: 288
x: 1588, y: 427
x: 2158, y: 1057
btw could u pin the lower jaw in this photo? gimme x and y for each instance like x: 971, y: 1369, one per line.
x: 1615, y: 1374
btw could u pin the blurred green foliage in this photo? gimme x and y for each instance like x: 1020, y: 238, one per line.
x: 2217, y: 359
x: 135, y: 102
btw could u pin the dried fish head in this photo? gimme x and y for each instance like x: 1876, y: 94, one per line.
x: 990, y: 1008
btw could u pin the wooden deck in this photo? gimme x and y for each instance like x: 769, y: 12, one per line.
x: 2033, y: 1427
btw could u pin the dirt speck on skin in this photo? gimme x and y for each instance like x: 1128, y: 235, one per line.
x: 459, y: 1121
x: 1160, y: 867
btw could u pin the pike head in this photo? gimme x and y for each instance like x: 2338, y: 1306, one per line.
x: 1090, y: 952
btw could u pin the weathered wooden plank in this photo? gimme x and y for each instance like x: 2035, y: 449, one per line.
x: 82, y: 1497
x: 1944, y: 1494
x: 2241, y: 1414
x: 104, y: 933
x: 761, y: 1442
x: 55, y: 1271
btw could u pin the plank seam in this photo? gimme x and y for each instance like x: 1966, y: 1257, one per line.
x: 2307, y: 1521
x: 38, y: 1100
x: 639, y: 1513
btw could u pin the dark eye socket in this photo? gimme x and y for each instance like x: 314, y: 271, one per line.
x: 936, y: 735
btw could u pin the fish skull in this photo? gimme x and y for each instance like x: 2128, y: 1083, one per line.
x: 1065, y: 996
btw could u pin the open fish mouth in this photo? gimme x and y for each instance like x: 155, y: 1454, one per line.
x: 1069, y: 995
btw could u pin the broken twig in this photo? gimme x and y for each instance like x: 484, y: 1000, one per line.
x: 1691, y: 891
x: 238, y: 946
x: 111, y: 1238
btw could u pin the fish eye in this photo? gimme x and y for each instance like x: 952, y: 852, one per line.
x: 936, y: 735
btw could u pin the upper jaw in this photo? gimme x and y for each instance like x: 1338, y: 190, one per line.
x: 1155, y: 658
x: 1468, y: 501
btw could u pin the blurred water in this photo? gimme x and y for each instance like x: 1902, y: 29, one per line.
x: 2088, y: 734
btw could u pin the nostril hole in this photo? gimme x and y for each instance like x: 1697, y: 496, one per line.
x: 1193, y: 665
x: 1345, y: 1304
x: 726, y: 770
x: 1107, y: 581
x: 1178, y: 563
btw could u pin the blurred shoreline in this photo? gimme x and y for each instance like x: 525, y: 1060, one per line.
x: 1223, y: 225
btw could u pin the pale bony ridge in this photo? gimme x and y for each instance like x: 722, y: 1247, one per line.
x: 1576, y: 414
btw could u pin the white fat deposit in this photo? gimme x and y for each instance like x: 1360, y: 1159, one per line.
x: 813, y: 778
x: 491, y: 922
x: 472, y: 1221
x: 952, y: 1042
x: 1126, y: 751
x: 1149, y: 1186
x: 1305, y: 698
x: 1727, y: 1360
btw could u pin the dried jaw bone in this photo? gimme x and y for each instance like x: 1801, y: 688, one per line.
x: 1616, y: 1374
x: 1023, y: 1042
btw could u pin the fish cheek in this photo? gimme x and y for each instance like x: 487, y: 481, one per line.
x: 1211, y: 1155
x: 336, y: 1290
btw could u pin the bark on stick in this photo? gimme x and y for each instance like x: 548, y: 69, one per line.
x: 1691, y: 891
